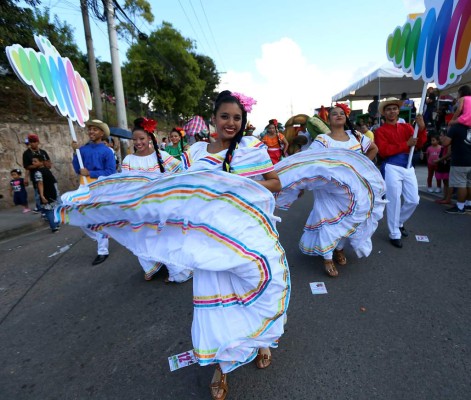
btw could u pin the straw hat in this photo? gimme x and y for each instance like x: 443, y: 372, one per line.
x: 388, y: 102
x: 100, y: 125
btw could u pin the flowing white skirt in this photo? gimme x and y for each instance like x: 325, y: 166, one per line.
x: 348, y: 198
x: 220, y: 226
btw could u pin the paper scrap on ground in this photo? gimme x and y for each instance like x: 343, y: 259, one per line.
x: 422, y: 238
x: 61, y: 250
x: 318, y: 288
x: 181, y: 360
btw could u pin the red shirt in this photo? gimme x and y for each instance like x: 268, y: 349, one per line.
x: 392, y: 139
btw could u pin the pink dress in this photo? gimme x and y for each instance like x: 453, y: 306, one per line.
x: 433, y: 153
x: 465, y: 117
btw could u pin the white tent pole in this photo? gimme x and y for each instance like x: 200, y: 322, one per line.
x: 379, y: 99
x: 416, y: 130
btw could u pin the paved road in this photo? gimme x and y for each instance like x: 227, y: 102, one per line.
x: 392, y: 326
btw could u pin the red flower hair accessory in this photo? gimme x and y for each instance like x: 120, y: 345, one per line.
x: 180, y: 130
x: 245, y: 101
x: 149, y: 125
x: 344, y: 107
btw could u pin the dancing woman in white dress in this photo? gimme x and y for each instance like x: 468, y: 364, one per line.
x: 149, y: 159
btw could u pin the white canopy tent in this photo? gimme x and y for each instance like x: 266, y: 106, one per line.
x: 386, y: 81
x: 453, y: 89
x: 389, y: 81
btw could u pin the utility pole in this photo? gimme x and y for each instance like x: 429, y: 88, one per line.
x: 91, y: 61
x: 116, y: 67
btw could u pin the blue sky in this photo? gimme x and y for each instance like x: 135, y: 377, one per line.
x: 291, y: 56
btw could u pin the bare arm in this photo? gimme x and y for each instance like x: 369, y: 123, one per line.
x: 41, y: 192
x: 445, y: 157
x: 271, y: 181
x: 372, y: 151
x: 285, y: 150
x: 457, y: 113
x: 446, y: 141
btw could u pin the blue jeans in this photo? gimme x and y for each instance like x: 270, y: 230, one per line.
x: 37, y: 199
x: 49, y: 216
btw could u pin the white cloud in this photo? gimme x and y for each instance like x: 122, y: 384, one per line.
x: 285, y: 84
x: 414, y: 6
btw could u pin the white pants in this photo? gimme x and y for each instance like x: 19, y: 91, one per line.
x: 102, y: 241
x: 400, y: 181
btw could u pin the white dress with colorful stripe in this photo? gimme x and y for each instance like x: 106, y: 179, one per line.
x: 217, y: 224
x: 348, y: 194
x: 325, y: 141
x: 231, y: 317
x: 250, y: 159
x: 150, y: 164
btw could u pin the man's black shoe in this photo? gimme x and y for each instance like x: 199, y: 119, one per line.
x: 455, y: 210
x: 404, y: 231
x: 99, y: 259
x: 396, y: 243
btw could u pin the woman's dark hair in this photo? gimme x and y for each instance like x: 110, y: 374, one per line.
x: 464, y: 90
x: 178, y: 130
x: 138, y: 126
x: 274, y: 122
x: 227, y: 97
x: 350, y: 126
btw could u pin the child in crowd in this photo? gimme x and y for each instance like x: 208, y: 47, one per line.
x: 443, y: 171
x: 163, y: 144
x: 18, y: 190
x: 433, y: 153
x: 177, y: 146
x: 276, y: 142
x: 111, y: 144
x: 47, y: 190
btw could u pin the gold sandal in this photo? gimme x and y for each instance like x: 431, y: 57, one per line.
x: 339, y: 256
x: 330, y: 268
x: 219, y: 385
x: 262, y: 361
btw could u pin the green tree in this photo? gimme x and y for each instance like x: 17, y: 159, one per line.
x: 210, y: 77
x: 15, y: 26
x: 105, y: 76
x: 164, y: 71
x: 134, y: 9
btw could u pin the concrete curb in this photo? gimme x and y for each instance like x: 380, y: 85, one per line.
x: 24, y: 228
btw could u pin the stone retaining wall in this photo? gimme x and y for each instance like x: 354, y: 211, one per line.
x: 55, y: 139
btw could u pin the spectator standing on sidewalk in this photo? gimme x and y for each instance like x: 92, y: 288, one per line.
x: 433, y: 153
x: 47, y: 188
x: 443, y: 171
x: 18, y: 190
x: 98, y: 161
x: 34, y: 150
x: 394, y: 141
x: 459, y: 138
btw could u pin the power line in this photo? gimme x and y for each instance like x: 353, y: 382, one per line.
x: 191, y: 25
x: 143, y: 36
x: 212, y: 35
x: 201, y: 27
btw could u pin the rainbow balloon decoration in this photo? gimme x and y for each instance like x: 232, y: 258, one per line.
x: 53, y: 78
x: 434, y: 46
